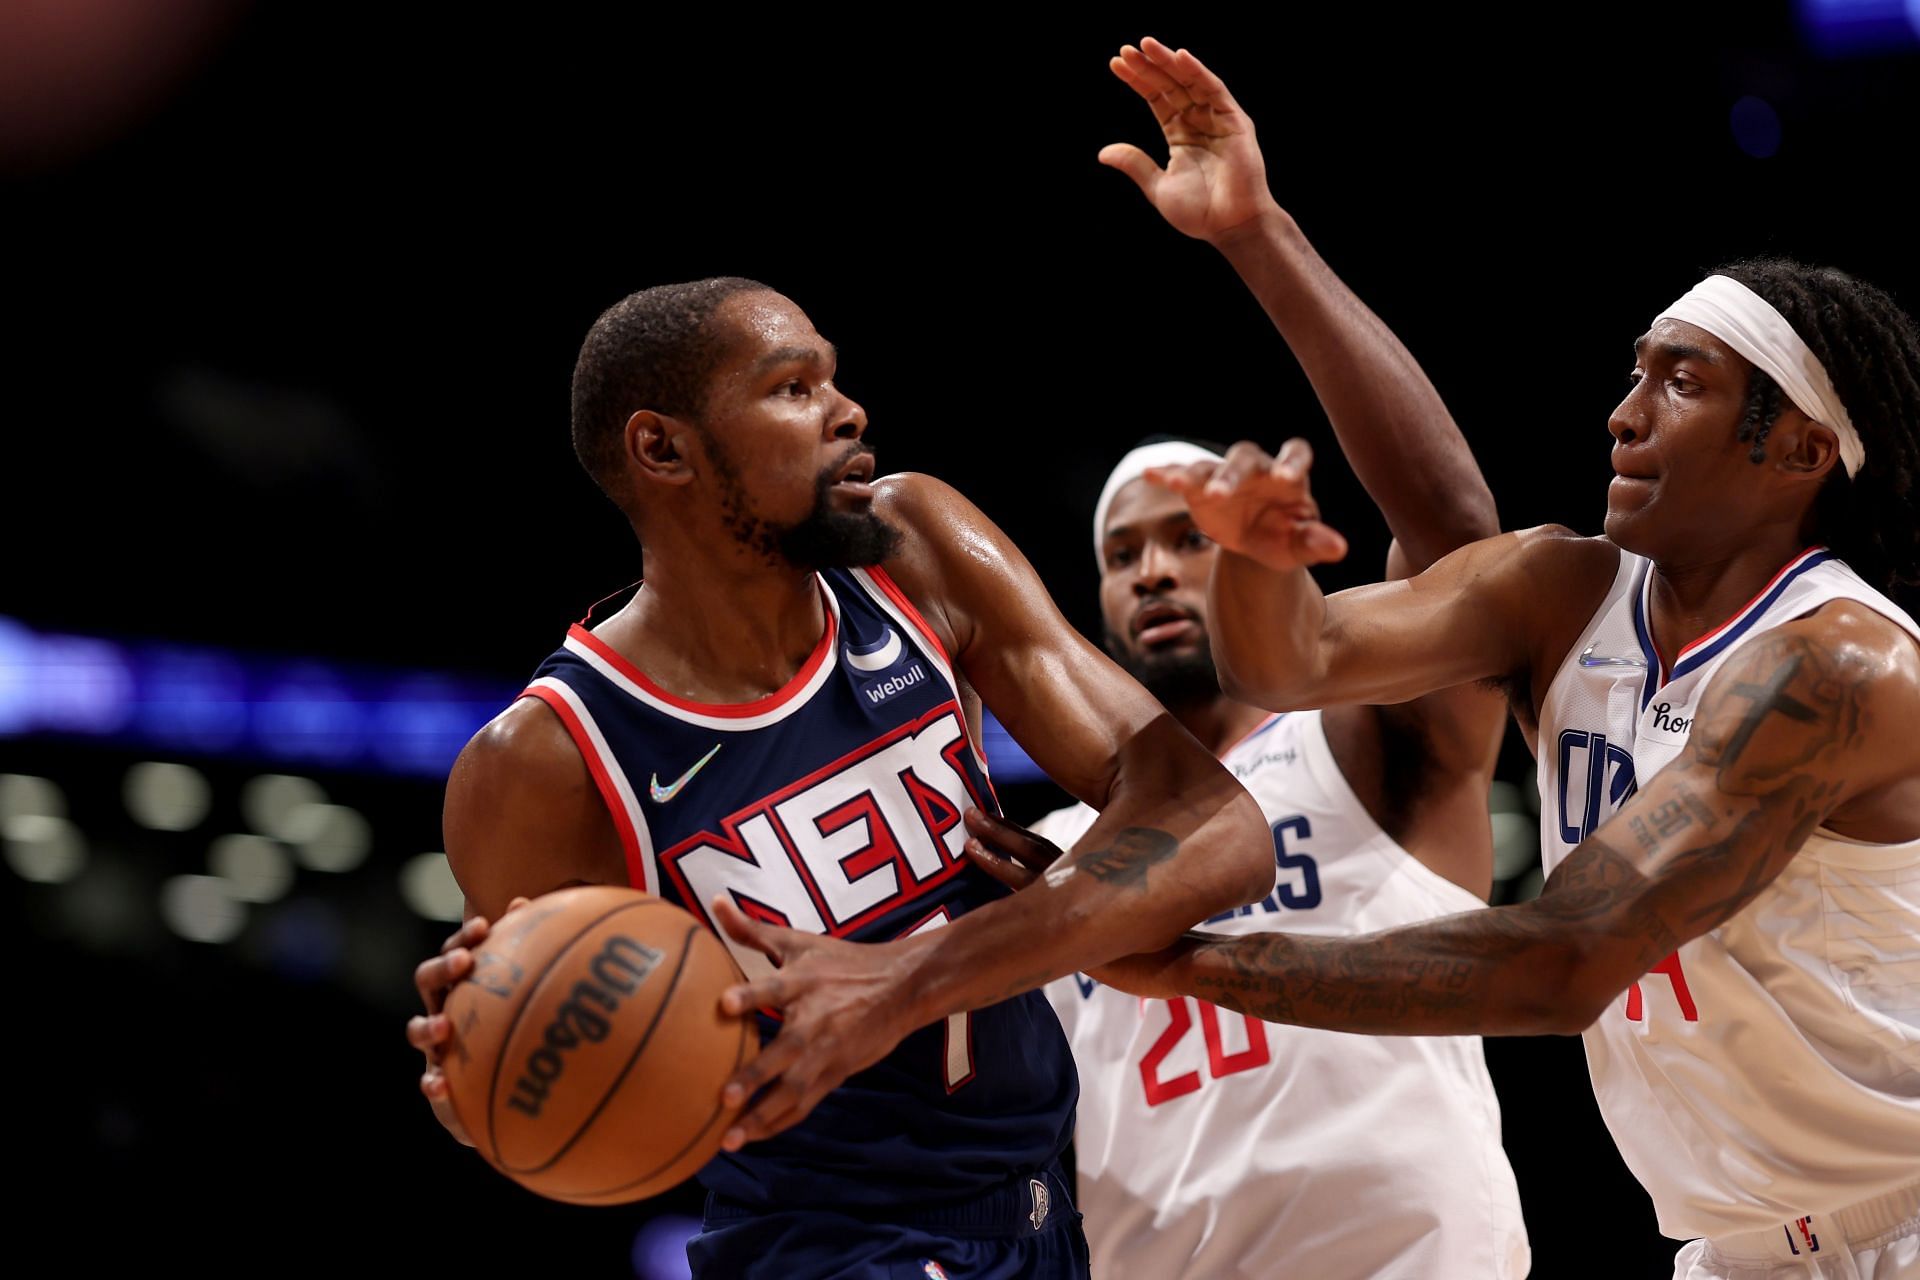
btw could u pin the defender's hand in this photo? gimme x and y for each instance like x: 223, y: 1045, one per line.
x: 1009, y: 853
x: 844, y: 1011
x: 1257, y: 505
x: 430, y: 1033
x: 1215, y: 179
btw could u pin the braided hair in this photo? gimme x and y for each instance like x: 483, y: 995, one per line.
x: 1871, y: 350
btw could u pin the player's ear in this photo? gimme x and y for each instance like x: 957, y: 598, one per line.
x: 653, y: 443
x: 1802, y: 446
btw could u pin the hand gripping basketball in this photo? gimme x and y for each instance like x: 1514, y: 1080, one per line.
x: 1257, y: 505
x: 430, y: 1033
x: 844, y: 1007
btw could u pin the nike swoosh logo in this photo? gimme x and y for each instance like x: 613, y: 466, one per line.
x: 662, y: 794
x: 879, y: 659
x: 1589, y: 659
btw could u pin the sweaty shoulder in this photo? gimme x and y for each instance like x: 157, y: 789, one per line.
x: 949, y: 551
x: 523, y: 816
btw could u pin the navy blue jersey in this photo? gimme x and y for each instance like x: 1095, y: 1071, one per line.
x: 834, y: 806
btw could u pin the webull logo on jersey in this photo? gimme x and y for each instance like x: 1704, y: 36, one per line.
x: 845, y: 845
x: 1596, y: 777
x: 876, y: 666
x: 880, y: 690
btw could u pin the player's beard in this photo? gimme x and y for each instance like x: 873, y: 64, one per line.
x: 825, y: 538
x: 1179, y: 680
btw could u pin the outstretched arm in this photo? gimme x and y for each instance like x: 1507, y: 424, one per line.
x: 1807, y: 720
x: 1389, y: 419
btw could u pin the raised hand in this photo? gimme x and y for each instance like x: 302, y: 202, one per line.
x: 1215, y: 179
x: 1257, y: 505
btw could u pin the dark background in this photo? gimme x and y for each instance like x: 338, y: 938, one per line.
x: 291, y: 302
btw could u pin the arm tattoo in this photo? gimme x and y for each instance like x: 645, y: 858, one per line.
x: 1125, y: 862
x: 1774, y: 737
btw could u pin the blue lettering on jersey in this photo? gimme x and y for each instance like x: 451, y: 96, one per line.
x: 1603, y: 775
x: 1297, y: 880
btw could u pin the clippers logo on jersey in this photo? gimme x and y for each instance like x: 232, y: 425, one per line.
x: 844, y: 845
x: 1596, y: 777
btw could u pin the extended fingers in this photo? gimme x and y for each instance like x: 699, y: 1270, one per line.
x: 1191, y: 74
x: 429, y: 1033
x: 1008, y: 838
x: 471, y: 933
x: 432, y: 978
x: 1294, y: 461
x: 1185, y: 478
x: 1243, y: 459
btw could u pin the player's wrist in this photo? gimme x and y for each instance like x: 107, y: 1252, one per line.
x: 1267, y: 231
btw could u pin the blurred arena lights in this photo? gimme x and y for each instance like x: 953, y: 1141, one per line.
x: 256, y: 869
x: 22, y: 793
x: 44, y: 849
x: 660, y: 1248
x: 167, y: 797
x: 329, y: 837
x: 1848, y: 27
x: 289, y: 712
x: 269, y: 802
x: 428, y: 887
x: 201, y: 909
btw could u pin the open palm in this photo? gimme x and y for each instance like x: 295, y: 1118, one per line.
x: 1215, y: 179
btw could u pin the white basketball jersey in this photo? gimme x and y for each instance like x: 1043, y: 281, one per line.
x: 1211, y: 1144
x: 1771, y: 1068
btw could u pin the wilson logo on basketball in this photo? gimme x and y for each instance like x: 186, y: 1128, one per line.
x: 586, y: 1015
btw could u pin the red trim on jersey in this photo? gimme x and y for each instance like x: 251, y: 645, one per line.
x: 629, y: 838
x: 1743, y: 610
x: 729, y: 710
x: 891, y: 589
x: 882, y: 580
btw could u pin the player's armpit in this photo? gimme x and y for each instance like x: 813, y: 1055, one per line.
x: 523, y: 816
x: 1806, y: 722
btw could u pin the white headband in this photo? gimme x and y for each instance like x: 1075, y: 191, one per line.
x: 1167, y: 453
x: 1748, y: 323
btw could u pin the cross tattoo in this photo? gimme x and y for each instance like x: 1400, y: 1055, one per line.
x: 1770, y: 696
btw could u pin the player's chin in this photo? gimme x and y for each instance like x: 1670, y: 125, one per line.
x: 1631, y: 513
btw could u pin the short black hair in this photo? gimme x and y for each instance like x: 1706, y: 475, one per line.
x: 1871, y: 350
x: 654, y: 349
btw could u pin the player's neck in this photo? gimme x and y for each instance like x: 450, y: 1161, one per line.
x: 717, y: 636
x: 1220, y: 723
x: 1694, y: 595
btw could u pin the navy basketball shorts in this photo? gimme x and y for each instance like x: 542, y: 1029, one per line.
x: 1027, y: 1228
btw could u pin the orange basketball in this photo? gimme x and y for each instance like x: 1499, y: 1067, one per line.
x: 589, y: 1049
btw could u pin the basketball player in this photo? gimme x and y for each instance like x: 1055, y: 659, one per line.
x: 1221, y: 1146
x: 1215, y: 1146
x: 1723, y: 704
x: 784, y: 722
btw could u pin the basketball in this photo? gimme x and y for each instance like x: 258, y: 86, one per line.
x: 589, y: 1049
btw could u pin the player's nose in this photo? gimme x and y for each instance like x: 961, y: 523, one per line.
x: 848, y: 421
